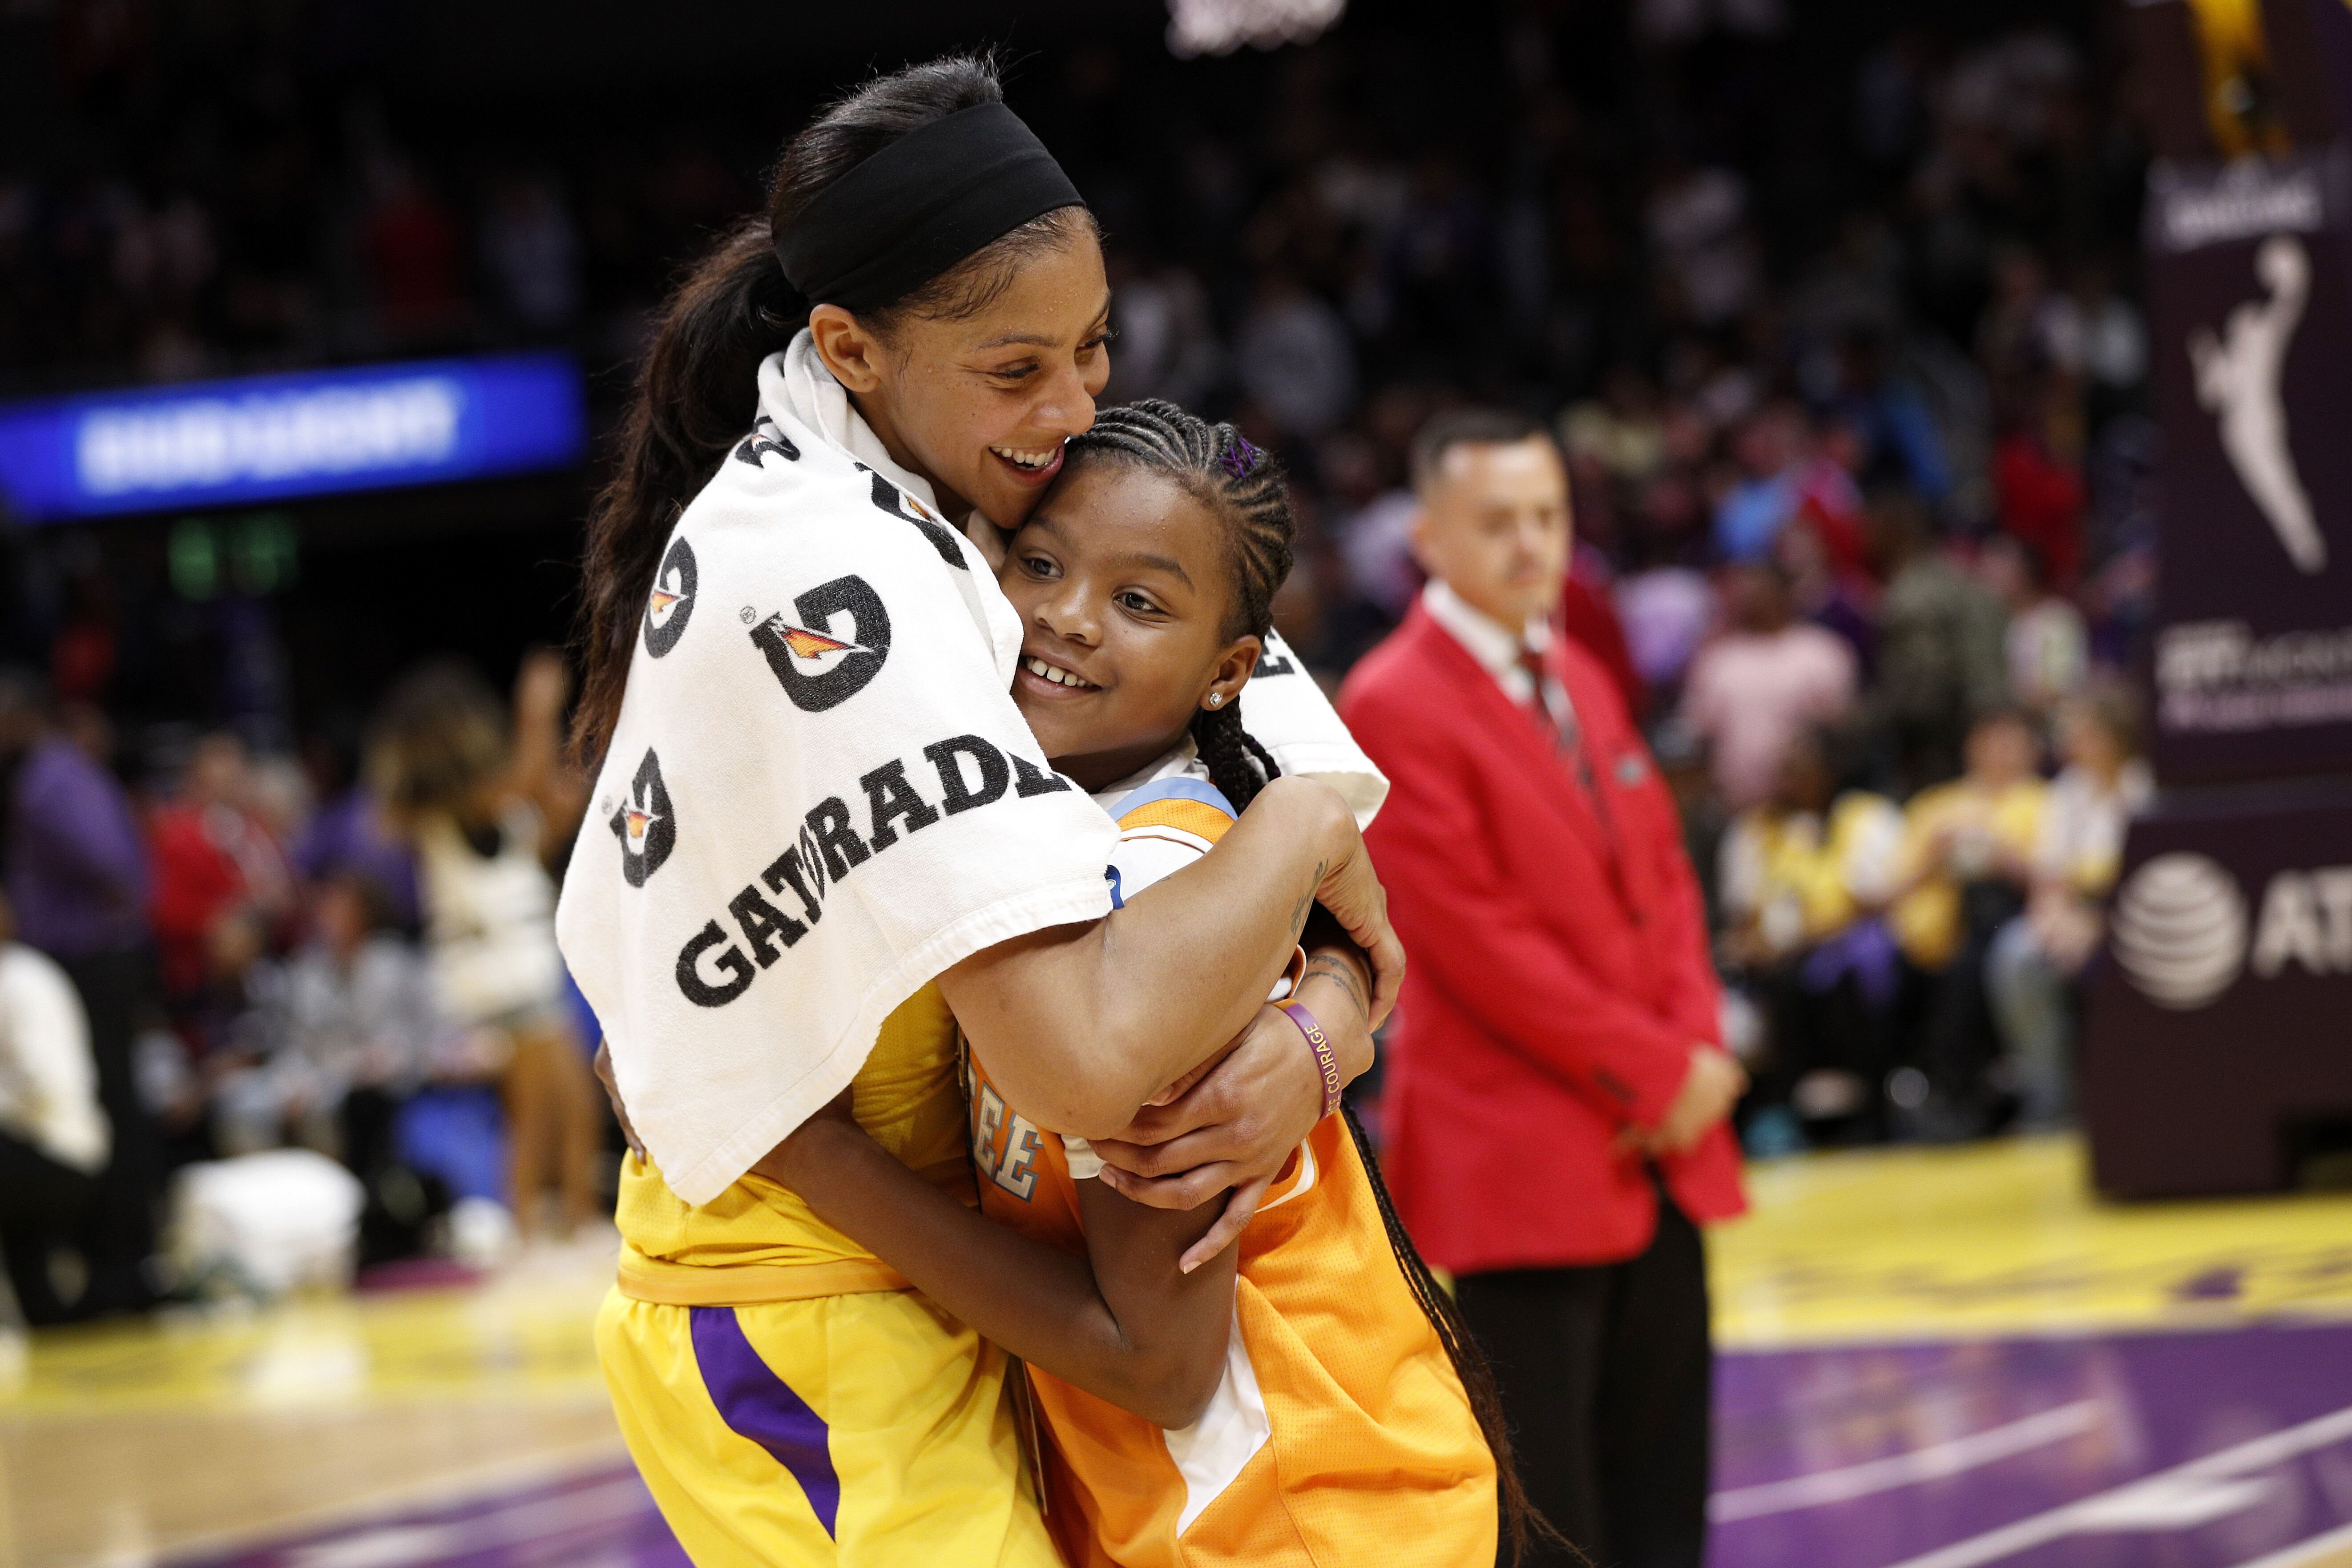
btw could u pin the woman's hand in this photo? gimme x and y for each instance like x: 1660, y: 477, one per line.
x: 1350, y: 891
x: 1233, y: 1121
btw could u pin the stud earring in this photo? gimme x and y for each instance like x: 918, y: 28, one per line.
x: 1216, y: 698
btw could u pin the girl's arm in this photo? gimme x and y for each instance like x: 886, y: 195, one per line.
x: 1122, y: 1322
x: 1081, y: 1025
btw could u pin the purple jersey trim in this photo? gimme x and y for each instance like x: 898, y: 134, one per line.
x: 756, y: 1403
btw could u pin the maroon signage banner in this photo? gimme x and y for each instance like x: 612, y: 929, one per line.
x: 2250, y: 269
x: 2222, y: 1017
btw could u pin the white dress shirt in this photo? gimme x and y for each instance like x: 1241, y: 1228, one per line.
x: 1499, y: 649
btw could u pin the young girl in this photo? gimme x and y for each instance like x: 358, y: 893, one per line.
x: 1327, y: 1408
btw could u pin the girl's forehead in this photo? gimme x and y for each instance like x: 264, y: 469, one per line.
x: 1100, y: 505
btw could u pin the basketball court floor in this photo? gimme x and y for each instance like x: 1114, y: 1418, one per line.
x: 1932, y: 1359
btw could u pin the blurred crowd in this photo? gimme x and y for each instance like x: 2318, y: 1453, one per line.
x: 1834, y: 317
x: 350, y: 955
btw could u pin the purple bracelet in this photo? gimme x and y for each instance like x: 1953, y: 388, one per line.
x: 1327, y: 1061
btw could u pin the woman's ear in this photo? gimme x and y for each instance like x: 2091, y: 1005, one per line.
x: 848, y: 347
x: 1234, y: 670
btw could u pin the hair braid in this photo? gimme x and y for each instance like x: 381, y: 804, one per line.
x: 1232, y: 756
x: 1522, y: 1521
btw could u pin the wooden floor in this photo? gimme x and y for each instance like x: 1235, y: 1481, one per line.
x: 132, y: 1445
x: 2006, y: 1239
x: 126, y: 1445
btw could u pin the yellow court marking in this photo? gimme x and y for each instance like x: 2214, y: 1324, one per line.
x: 2006, y: 1239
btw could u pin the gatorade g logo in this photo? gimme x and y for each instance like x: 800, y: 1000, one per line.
x: 838, y: 644
x: 643, y: 824
x: 766, y: 436
x: 671, y: 603
x: 907, y: 509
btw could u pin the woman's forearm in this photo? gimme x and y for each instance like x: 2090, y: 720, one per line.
x: 1080, y: 1025
x: 1149, y: 1339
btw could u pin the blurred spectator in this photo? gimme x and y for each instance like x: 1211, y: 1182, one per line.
x: 1752, y: 690
x: 361, y: 1064
x: 1752, y: 513
x: 1697, y: 222
x: 1806, y: 874
x: 1839, y: 600
x: 2048, y: 646
x: 1167, y: 344
x: 487, y: 810
x: 54, y: 1136
x: 1589, y: 617
x: 2035, y: 958
x: 1941, y: 655
x: 1895, y: 434
x: 2099, y: 337
x: 531, y: 249
x: 1620, y: 428
x: 1681, y: 763
x: 1666, y: 610
x: 351, y: 1009
x: 2041, y: 500
x: 414, y: 252
x: 77, y: 879
x: 350, y: 834
x: 215, y: 861
x: 1966, y: 861
x: 1295, y: 359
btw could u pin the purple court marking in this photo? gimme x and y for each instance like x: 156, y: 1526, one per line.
x: 2187, y: 1451
x: 604, y: 1519
x: 756, y: 1403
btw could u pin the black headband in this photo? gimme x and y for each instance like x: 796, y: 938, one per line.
x: 919, y: 206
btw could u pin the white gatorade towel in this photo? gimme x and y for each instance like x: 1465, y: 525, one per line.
x: 820, y: 795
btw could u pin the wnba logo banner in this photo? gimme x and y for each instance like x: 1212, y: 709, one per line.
x: 2251, y: 278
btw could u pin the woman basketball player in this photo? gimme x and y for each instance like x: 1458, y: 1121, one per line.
x: 828, y: 826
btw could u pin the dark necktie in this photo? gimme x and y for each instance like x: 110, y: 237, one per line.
x: 1560, y: 722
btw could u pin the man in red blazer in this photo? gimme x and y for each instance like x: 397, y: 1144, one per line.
x: 1557, y: 1093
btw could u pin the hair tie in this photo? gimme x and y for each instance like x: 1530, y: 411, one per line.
x: 1240, y: 457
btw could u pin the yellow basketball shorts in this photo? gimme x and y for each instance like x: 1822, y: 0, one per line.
x: 869, y: 1431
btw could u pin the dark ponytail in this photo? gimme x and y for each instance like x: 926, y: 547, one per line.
x: 697, y: 390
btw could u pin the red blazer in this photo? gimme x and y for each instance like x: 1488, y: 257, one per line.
x: 1555, y: 988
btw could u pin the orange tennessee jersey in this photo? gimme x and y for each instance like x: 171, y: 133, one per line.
x: 1339, y: 1434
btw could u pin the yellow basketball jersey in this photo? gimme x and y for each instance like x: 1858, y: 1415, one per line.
x: 786, y: 1397
x: 758, y: 1241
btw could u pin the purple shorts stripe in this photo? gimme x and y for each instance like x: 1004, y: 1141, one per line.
x: 756, y: 1403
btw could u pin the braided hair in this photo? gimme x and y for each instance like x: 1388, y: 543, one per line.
x: 1244, y: 488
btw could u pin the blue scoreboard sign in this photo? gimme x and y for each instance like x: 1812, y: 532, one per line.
x: 274, y: 438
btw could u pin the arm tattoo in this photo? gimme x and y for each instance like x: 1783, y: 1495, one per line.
x: 1306, y: 901
x: 1342, y: 974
